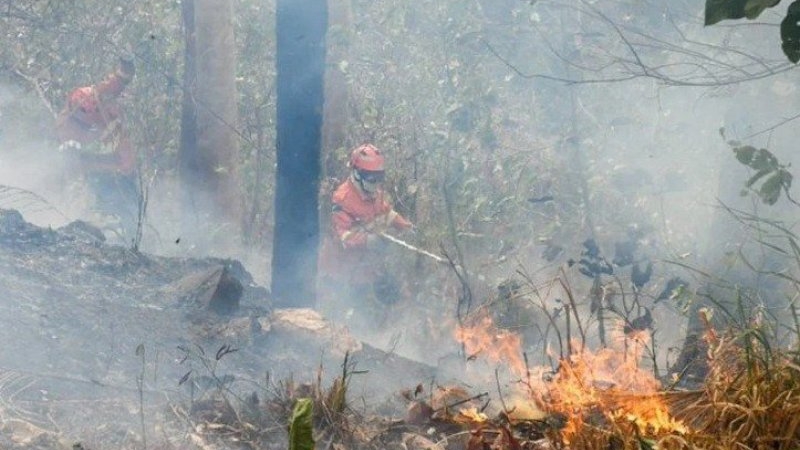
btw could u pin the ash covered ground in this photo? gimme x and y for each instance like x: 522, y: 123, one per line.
x: 106, y: 346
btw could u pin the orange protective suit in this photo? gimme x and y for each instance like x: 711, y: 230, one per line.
x: 93, y: 117
x: 96, y: 146
x: 346, y: 257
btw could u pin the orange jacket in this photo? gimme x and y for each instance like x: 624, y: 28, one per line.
x: 354, y: 215
x: 92, y: 115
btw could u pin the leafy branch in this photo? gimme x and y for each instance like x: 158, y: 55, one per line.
x: 773, y: 176
x: 719, y: 10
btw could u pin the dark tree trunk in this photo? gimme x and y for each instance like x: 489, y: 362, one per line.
x: 301, y: 28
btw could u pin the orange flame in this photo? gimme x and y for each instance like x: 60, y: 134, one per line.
x: 484, y: 339
x: 607, y: 383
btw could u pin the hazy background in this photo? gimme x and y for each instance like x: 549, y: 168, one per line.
x: 514, y: 131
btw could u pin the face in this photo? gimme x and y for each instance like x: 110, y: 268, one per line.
x: 369, y: 181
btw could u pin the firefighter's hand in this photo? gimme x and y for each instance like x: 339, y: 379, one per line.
x: 380, y: 223
x: 126, y: 66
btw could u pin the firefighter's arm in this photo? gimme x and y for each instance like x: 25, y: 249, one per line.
x: 399, y: 222
x: 347, y: 230
x: 392, y: 218
x: 113, y: 85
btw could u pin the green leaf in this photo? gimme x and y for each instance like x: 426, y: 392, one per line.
x: 760, y: 174
x: 786, y: 178
x: 764, y: 160
x: 301, y: 429
x: 790, y: 32
x: 718, y: 10
x: 753, y: 8
x: 745, y: 154
x: 771, y: 189
x: 647, y: 444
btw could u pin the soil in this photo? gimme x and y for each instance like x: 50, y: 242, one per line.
x: 106, y: 346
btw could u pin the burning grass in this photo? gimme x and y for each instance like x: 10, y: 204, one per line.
x: 604, y: 400
x: 606, y: 391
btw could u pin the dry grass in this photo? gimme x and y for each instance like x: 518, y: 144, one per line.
x: 751, y: 399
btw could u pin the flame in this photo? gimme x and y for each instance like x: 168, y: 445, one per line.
x: 484, y: 339
x: 470, y: 416
x: 609, y: 382
x: 606, y: 384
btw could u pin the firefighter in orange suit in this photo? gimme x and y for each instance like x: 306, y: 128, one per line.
x: 353, y: 252
x: 96, y: 145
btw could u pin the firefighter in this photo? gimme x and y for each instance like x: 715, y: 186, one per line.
x: 352, y: 268
x: 96, y: 146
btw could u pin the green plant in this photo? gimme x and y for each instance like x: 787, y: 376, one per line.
x: 301, y: 429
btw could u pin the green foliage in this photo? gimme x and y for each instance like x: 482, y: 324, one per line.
x: 790, y: 32
x: 301, y: 429
x: 773, y: 176
x: 718, y: 10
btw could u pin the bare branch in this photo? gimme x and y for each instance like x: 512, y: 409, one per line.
x: 704, y: 64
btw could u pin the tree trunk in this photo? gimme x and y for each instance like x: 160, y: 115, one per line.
x: 188, y: 158
x: 725, y: 238
x: 216, y: 183
x: 336, y: 112
x: 301, y: 28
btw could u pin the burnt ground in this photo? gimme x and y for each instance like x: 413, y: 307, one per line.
x: 106, y: 346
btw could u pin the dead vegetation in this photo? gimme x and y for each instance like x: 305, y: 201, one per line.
x: 589, y: 397
x: 751, y: 399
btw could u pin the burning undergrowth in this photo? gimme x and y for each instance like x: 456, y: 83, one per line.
x: 590, y: 395
x: 590, y: 398
x: 604, y: 399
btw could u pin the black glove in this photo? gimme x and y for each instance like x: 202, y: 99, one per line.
x: 126, y: 66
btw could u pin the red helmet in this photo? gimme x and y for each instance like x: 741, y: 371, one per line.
x: 367, y: 158
x: 84, y: 105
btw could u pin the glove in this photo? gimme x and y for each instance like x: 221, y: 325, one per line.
x: 380, y: 223
x: 126, y: 66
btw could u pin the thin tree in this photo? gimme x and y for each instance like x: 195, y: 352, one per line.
x: 301, y: 29
x: 209, y: 143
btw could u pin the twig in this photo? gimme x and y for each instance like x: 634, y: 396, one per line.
x: 35, y: 83
x: 461, y: 402
x: 574, y: 308
x: 500, y: 392
x: 140, y: 351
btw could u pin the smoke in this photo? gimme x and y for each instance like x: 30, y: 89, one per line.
x: 653, y: 167
x: 30, y: 163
